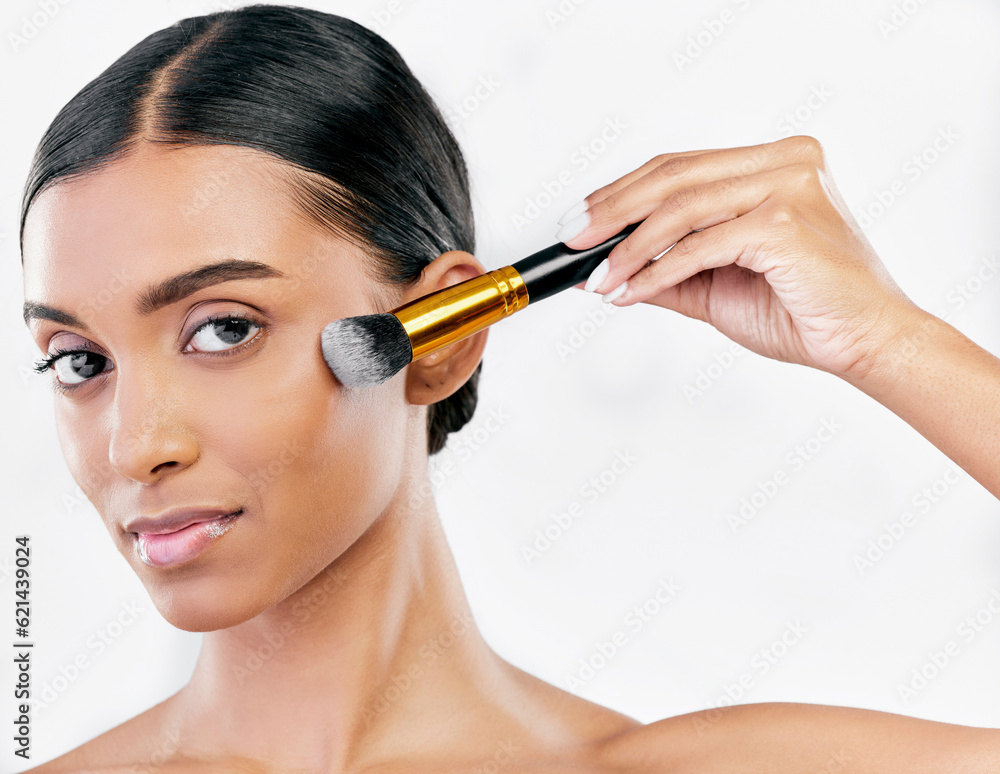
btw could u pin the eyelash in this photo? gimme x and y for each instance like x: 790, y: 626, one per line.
x: 44, y: 364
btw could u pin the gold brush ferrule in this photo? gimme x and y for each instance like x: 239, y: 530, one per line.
x: 448, y: 315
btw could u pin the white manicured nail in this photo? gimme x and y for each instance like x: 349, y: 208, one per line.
x: 609, y: 297
x: 574, y: 228
x: 597, y: 276
x: 572, y: 212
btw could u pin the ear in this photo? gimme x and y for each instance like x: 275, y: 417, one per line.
x: 436, y: 376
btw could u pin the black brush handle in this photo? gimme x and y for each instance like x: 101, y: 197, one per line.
x: 559, y: 267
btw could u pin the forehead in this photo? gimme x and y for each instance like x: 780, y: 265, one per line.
x: 163, y: 210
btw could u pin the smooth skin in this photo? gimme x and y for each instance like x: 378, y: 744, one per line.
x: 339, y: 557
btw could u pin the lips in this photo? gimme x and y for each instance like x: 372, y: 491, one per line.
x: 179, y: 537
x: 175, y: 520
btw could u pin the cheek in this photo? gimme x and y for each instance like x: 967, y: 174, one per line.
x: 84, y: 443
x: 319, y: 462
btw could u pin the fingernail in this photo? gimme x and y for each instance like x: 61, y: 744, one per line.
x: 572, y: 212
x: 609, y: 297
x: 574, y: 228
x: 597, y: 276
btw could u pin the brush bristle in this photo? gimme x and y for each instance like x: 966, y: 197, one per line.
x: 367, y: 350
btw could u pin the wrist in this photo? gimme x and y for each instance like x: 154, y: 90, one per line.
x: 905, y: 336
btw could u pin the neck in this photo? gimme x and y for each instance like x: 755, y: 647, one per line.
x: 374, y: 640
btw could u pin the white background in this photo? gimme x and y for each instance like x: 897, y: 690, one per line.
x: 574, y: 390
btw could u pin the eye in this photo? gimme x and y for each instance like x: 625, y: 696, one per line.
x: 223, y: 332
x: 74, y: 366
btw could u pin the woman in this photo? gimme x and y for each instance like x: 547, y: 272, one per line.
x: 195, y: 217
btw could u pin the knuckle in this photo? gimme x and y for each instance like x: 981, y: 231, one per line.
x: 598, y: 195
x: 674, y: 167
x: 680, y: 201
x: 750, y: 166
x: 684, y: 247
x: 610, y: 207
x: 803, y: 176
x: 625, y: 252
x: 596, y: 192
x: 781, y: 214
x: 806, y: 147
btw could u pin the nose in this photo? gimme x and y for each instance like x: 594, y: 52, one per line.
x: 149, y: 437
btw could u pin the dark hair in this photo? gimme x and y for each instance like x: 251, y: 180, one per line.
x: 373, y: 158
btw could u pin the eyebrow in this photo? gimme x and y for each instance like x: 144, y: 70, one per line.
x: 168, y: 292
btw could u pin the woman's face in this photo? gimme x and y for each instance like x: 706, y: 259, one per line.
x: 172, y: 414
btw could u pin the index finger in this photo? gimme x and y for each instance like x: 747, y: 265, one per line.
x: 633, y: 197
x: 613, y: 187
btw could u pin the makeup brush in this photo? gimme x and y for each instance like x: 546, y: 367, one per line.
x: 365, y: 351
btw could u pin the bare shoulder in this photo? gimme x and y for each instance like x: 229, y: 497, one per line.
x: 142, y: 743
x: 782, y: 738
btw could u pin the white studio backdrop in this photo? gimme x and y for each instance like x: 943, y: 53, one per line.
x: 612, y: 449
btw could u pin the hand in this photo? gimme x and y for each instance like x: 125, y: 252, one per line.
x: 760, y: 245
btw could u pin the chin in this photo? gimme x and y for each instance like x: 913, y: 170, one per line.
x: 202, y: 606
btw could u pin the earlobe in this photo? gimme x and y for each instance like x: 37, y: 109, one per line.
x: 434, y: 377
